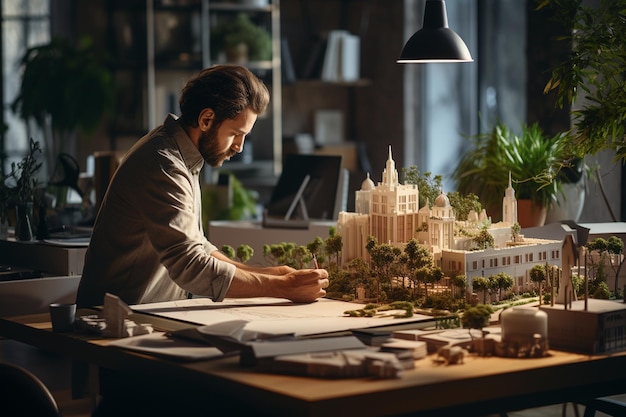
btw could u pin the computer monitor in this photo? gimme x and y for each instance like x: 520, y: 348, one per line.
x: 310, y: 187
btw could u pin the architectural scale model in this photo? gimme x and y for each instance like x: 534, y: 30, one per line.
x: 390, y: 212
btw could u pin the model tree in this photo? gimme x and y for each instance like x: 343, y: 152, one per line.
x: 483, y: 240
x: 481, y: 284
x: 477, y: 317
x: 316, y: 248
x: 242, y: 254
x: 611, y: 249
x: 595, y: 263
x: 503, y: 282
x: 334, y: 244
x: 360, y: 276
x: 428, y: 184
x: 435, y: 274
x: 301, y: 256
x: 516, y: 230
x: 279, y: 253
x: 384, y: 264
x: 463, y: 204
x: 418, y: 262
x: 615, y: 247
x: 460, y: 283
x: 537, y: 274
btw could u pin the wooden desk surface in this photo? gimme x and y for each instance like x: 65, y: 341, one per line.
x: 479, y: 386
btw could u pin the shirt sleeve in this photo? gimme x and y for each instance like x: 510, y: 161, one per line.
x: 171, y: 220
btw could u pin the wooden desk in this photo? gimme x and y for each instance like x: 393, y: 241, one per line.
x: 478, y: 387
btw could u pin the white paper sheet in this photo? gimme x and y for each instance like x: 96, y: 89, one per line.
x: 273, y: 315
x: 160, y: 344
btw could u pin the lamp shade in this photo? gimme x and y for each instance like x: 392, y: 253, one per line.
x: 435, y: 41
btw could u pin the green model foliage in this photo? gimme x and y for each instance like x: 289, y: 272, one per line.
x: 481, y: 284
x: 483, y: 240
x: 477, y: 317
x: 503, y: 282
x: 242, y: 254
x: 429, y: 185
x: 607, y: 251
x: 463, y: 204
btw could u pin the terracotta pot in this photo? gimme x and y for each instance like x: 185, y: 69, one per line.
x: 237, y: 54
x: 529, y: 214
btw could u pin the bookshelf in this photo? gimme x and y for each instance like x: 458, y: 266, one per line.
x: 168, y: 68
x: 158, y: 44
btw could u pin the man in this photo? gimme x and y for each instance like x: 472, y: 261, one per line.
x: 147, y: 243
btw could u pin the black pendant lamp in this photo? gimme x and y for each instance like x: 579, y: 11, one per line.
x: 435, y: 41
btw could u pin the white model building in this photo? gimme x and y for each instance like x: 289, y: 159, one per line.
x: 390, y: 212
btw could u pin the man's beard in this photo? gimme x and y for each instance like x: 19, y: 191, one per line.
x: 209, y: 148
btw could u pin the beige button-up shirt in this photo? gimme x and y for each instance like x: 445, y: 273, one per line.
x: 147, y: 243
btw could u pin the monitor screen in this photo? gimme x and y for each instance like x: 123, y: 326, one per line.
x: 320, y: 192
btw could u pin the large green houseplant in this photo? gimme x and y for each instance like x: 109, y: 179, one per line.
x: 532, y: 158
x: 66, y: 88
x: 594, y: 73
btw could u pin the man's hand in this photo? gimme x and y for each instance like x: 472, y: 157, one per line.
x: 306, y: 285
x: 300, y: 286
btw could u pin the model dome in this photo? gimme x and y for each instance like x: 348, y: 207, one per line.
x: 367, y: 183
x: 442, y: 200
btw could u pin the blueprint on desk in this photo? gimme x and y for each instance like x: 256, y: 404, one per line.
x: 275, y: 315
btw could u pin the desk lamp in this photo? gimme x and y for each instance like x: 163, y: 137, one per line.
x: 435, y: 42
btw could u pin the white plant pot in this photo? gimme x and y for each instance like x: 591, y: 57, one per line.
x: 568, y: 206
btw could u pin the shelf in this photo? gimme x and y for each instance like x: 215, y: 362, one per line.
x: 233, y: 7
x: 253, y: 65
x: 214, y: 6
x: 158, y: 44
x: 359, y: 83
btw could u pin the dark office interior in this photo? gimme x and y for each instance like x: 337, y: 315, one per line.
x: 424, y: 114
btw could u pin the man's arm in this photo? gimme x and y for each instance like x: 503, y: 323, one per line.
x: 301, y: 286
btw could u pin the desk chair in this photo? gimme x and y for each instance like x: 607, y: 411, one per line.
x: 605, y: 405
x: 24, y: 395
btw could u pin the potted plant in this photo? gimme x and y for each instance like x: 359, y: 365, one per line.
x: 18, y: 192
x: 241, y: 40
x: 593, y: 72
x: 65, y: 88
x: 6, y: 194
x: 532, y: 159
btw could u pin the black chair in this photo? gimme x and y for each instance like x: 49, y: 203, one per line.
x: 605, y: 405
x: 23, y: 394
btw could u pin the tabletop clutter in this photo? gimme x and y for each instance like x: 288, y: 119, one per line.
x: 376, y: 352
x: 113, y: 320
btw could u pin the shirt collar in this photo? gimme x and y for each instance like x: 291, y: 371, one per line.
x: 190, y: 153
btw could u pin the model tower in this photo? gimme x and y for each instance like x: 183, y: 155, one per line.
x: 394, y: 208
x: 509, y: 204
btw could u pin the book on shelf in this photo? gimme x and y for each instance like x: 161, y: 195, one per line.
x: 342, y: 57
x: 288, y: 71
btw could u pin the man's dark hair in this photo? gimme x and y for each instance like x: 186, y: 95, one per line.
x: 227, y: 89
